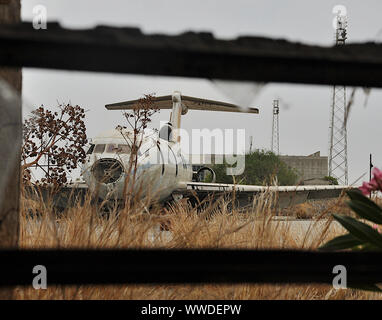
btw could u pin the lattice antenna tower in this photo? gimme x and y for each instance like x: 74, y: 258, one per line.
x: 275, y: 128
x: 338, y: 155
x: 250, y: 144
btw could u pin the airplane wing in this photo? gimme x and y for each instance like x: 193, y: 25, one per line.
x: 165, y: 102
x: 287, y: 195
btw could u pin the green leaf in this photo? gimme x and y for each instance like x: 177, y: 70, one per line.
x: 360, y: 230
x: 366, y: 247
x: 357, y: 195
x: 366, y: 211
x: 346, y: 241
x: 365, y: 287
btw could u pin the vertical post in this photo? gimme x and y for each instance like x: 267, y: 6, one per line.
x: 275, y: 148
x: 10, y: 13
x: 10, y: 141
x: 370, y: 166
x: 176, y: 115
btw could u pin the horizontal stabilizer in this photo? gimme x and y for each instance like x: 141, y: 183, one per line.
x: 165, y: 102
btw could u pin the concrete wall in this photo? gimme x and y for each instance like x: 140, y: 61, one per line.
x: 313, y: 166
x: 308, y: 167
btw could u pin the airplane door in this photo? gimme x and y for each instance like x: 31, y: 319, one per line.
x: 168, y: 165
x: 173, y: 160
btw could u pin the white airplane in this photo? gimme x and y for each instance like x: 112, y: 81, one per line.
x: 163, y: 171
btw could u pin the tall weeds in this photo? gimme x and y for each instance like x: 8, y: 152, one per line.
x: 213, y: 224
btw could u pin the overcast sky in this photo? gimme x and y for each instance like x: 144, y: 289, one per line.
x: 304, y: 109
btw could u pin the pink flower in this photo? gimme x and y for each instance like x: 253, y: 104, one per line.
x: 377, y: 228
x: 374, y: 184
x: 377, y: 173
x: 366, y: 188
x: 377, y: 177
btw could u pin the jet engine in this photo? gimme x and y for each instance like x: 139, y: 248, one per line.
x: 199, y: 175
x: 107, y: 170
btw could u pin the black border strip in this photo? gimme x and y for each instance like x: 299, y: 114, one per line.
x: 145, y: 266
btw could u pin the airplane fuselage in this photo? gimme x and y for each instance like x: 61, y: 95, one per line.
x: 161, y: 167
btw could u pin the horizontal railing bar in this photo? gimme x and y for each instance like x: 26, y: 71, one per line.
x: 127, y: 50
x: 152, y: 266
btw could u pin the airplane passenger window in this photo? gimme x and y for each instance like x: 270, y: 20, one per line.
x: 99, y: 148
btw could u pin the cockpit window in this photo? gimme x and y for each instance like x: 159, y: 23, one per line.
x: 99, y: 148
x: 124, y: 148
x: 118, y: 148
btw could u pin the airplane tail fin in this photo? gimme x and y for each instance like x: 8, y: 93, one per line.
x: 180, y: 105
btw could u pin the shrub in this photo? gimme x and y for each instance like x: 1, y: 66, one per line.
x: 261, y: 167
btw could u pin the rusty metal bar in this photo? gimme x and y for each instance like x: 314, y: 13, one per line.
x: 10, y: 141
x: 127, y: 50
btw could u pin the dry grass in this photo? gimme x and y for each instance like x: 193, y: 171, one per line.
x: 319, y: 209
x: 213, y: 227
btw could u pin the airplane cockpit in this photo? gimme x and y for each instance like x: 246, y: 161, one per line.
x: 109, y: 148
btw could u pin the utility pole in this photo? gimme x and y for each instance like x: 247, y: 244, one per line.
x: 338, y: 154
x: 370, y: 166
x: 275, y: 128
x: 10, y: 141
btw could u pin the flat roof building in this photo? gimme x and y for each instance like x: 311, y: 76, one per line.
x: 309, y: 167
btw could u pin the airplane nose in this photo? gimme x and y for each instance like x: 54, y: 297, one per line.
x: 107, y: 170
